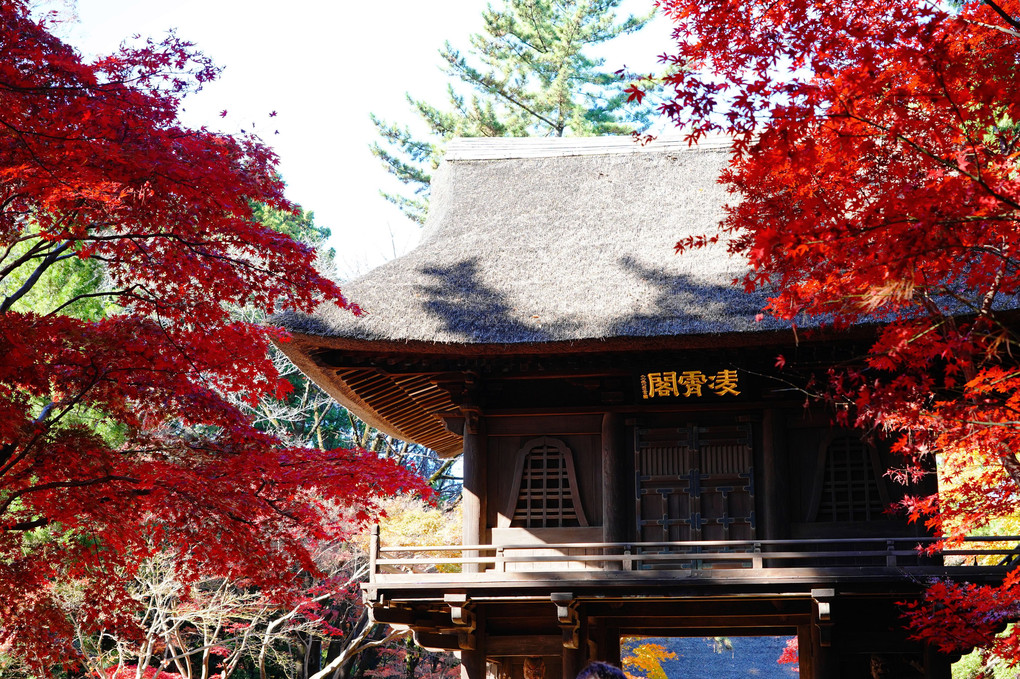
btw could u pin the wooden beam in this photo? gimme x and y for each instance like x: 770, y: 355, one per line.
x: 437, y: 642
x: 715, y: 631
x: 524, y: 645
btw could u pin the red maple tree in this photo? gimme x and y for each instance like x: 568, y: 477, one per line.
x: 875, y: 159
x: 115, y: 438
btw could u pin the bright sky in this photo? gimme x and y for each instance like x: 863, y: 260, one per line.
x: 323, y: 66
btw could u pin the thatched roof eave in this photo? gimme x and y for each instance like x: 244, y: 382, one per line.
x: 418, y: 348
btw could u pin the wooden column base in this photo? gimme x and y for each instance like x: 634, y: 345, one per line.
x: 472, y: 664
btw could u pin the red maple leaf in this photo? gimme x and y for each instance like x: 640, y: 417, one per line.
x: 634, y: 93
x: 877, y: 184
x: 117, y: 439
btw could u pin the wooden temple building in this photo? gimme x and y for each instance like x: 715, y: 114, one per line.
x: 634, y: 463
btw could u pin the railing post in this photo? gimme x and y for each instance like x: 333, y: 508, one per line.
x: 890, y: 559
x: 373, y: 553
x: 756, y: 559
x: 628, y: 562
x: 501, y: 560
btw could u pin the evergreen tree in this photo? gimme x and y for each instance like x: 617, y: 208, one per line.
x: 527, y: 74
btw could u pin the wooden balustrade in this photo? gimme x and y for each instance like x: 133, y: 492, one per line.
x: 907, y: 555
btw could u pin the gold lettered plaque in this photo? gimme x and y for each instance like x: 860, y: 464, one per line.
x: 689, y: 384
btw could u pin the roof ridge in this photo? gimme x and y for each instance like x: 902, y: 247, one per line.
x: 505, y: 148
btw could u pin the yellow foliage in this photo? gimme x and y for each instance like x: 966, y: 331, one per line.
x: 410, y: 522
x: 951, y: 478
x: 646, y: 661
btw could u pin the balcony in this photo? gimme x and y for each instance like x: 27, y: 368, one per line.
x: 740, y: 564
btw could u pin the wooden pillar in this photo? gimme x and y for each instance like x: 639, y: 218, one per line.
x: 617, y: 484
x: 571, y: 663
x: 936, y: 665
x: 769, y: 476
x: 823, y: 654
x: 473, y: 499
x: 607, y: 644
x: 472, y: 664
x: 596, y: 641
x: 585, y: 632
x: 806, y: 658
x: 472, y: 661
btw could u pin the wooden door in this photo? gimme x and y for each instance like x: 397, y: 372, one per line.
x: 695, y: 483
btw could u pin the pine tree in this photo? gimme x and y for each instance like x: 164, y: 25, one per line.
x: 527, y: 74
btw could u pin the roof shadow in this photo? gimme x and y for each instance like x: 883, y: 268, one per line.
x: 684, y: 305
x: 476, y: 312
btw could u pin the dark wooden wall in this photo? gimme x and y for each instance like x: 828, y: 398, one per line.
x: 581, y: 433
x: 806, y: 439
x: 789, y: 464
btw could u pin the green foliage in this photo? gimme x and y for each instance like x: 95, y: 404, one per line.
x: 528, y: 73
x: 298, y: 225
x: 308, y: 416
x: 72, y: 285
x: 12, y: 668
x: 978, y: 664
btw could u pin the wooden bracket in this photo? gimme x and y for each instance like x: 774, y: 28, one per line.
x: 570, y: 621
x: 432, y: 641
x: 459, y: 612
x: 472, y: 417
x: 563, y: 602
x: 394, y: 616
x: 822, y: 605
x: 453, y: 422
x: 463, y: 619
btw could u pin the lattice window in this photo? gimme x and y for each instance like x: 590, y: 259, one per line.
x: 545, y: 491
x: 849, y: 488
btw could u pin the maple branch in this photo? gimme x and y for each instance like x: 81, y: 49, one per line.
x: 14, y: 242
x: 64, y: 484
x: 1002, y: 13
x: 1011, y: 465
x: 198, y: 247
x: 9, y: 200
x: 28, y: 525
x: 993, y: 289
x: 356, y: 646
x: 110, y: 293
x: 942, y: 161
x: 49, y: 260
x: 42, y: 135
x: 439, y: 473
x: 7, y: 451
x: 1003, y: 29
x: 32, y: 252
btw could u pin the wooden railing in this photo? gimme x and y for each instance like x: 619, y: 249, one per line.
x: 991, y: 553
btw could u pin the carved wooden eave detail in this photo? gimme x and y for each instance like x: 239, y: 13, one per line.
x: 408, y: 404
x: 404, y: 406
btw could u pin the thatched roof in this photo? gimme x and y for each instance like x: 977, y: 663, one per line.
x: 538, y: 246
x: 551, y: 240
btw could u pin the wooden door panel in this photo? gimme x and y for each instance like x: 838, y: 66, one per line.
x: 695, y: 483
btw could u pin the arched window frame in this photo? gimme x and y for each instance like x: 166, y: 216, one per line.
x: 569, y: 480
x: 825, y: 452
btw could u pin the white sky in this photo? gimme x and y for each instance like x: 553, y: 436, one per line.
x: 323, y: 66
